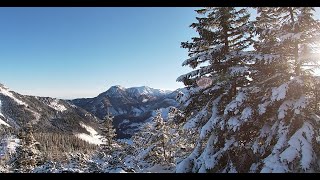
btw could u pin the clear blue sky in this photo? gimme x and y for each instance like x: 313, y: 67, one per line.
x: 81, y: 52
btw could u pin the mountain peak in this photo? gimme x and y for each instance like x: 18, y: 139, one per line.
x: 145, y: 90
x: 115, y: 90
x: 117, y: 87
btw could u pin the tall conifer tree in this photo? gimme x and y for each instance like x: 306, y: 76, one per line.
x: 224, y: 34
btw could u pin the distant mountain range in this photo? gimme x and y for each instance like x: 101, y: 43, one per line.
x: 131, y: 107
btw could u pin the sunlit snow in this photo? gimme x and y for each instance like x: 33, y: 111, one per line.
x: 93, y: 137
x: 6, y: 92
x: 55, y: 105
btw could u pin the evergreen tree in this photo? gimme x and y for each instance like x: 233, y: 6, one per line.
x: 159, y: 142
x: 283, y: 90
x: 112, y: 152
x: 4, y: 155
x: 270, y: 125
x: 108, y: 134
x: 150, y: 143
x: 224, y: 35
x: 28, y: 154
x: 181, y: 141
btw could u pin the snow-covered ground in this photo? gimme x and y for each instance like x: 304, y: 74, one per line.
x: 118, y: 170
x: 9, y: 145
x: 93, y: 137
x: 12, y: 144
x: 55, y: 105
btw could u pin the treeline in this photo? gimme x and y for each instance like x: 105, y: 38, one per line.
x: 55, y: 146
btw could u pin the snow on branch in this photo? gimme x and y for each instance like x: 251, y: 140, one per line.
x: 203, y: 56
x: 202, y: 71
x: 300, y: 146
x: 279, y: 92
x: 208, y: 127
x: 234, y: 104
x: 235, y: 70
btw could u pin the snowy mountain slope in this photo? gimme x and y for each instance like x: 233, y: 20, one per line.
x: 5, y: 91
x: 45, y: 113
x: 93, y: 137
x: 130, y: 106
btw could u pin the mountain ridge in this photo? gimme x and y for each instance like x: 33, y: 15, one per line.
x: 131, y: 106
x: 46, y: 114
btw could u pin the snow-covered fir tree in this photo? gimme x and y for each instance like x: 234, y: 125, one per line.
x: 108, y: 134
x: 156, y: 143
x: 224, y: 33
x: 150, y: 142
x: 270, y: 124
x: 284, y: 122
x: 181, y: 140
x: 7, y: 148
x: 112, y: 151
x: 28, y: 154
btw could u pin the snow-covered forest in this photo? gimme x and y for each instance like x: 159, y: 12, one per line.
x: 250, y: 104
